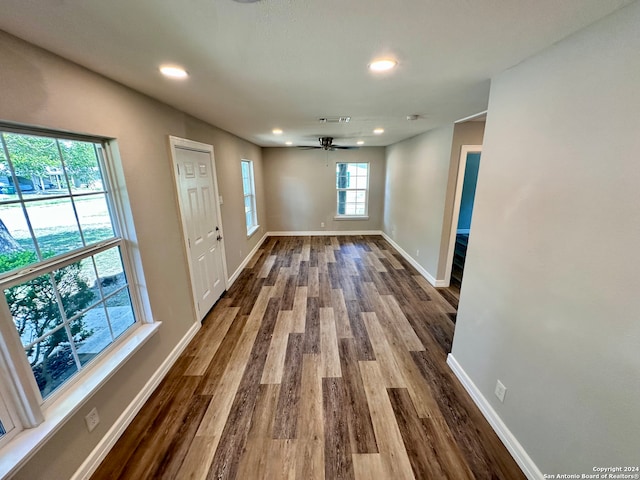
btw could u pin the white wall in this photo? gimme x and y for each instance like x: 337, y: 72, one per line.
x: 300, y: 188
x: 416, y: 184
x: 39, y: 88
x: 421, y: 175
x: 550, y: 301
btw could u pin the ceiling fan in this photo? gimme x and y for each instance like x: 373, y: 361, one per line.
x: 326, y: 143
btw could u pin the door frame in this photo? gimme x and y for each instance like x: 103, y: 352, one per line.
x: 462, y: 165
x: 175, y: 143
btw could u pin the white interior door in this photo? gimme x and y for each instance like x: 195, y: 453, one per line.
x: 194, y: 169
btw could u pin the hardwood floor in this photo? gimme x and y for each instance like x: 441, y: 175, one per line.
x: 325, y: 359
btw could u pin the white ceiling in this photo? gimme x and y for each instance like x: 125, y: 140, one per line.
x: 285, y: 63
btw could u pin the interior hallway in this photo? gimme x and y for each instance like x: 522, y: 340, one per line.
x: 326, y: 359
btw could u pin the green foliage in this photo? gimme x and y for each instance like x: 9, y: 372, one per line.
x: 34, y: 156
x: 17, y: 260
x: 35, y: 312
x: 80, y: 161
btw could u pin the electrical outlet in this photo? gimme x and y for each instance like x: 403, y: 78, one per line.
x: 321, y: 224
x: 92, y: 419
x: 501, y: 390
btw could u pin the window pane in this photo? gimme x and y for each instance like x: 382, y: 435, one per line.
x: 81, y: 164
x: 342, y: 198
x: 16, y: 245
x: 77, y: 286
x: 351, y: 196
x: 7, y: 190
x: 55, y: 227
x: 94, y: 217
x: 120, y: 312
x: 34, y: 308
x: 33, y: 159
x: 360, y: 209
x: 110, y: 270
x: 52, y: 361
x: 91, y: 334
x: 360, y: 196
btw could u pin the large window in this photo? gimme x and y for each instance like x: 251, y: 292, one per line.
x: 249, y: 189
x: 352, y: 185
x: 62, y: 258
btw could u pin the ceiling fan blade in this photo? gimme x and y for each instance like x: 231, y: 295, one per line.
x: 302, y: 147
x: 345, y: 148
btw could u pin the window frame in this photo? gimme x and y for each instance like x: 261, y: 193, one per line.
x: 8, y: 416
x: 340, y: 216
x: 35, y: 419
x: 251, y: 229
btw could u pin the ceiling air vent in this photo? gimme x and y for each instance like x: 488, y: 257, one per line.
x: 334, y: 119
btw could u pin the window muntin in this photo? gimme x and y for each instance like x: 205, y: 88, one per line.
x: 352, y: 186
x: 248, y: 187
x: 61, y: 265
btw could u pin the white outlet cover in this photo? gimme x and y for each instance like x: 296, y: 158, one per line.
x: 500, y: 391
x: 92, y: 419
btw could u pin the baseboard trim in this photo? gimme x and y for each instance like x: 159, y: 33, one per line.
x: 430, y: 278
x: 324, y: 233
x: 516, y: 450
x: 92, y: 462
x: 247, y: 259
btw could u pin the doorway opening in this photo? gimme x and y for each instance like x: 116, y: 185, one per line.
x: 467, y: 178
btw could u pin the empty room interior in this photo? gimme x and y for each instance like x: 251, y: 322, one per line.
x: 264, y: 239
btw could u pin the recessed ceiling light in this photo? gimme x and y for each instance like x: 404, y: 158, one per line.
x: 379, y: 131
x: 277, y: 131
x: 382, y: 65
x: 360, y: 142
x: 288, y: 142
x: 173, y: 71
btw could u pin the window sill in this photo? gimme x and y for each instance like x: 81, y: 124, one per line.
x: 21, y: 447
x: 252, y: 230
x: 351, y: 217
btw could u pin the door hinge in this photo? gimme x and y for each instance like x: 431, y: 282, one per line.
x: 189, y: 240
x: 178, y: 167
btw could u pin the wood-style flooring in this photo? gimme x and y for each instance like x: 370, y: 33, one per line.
x: 325, y: 359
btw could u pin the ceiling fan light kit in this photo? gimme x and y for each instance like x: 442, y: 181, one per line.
x: 326, y: 143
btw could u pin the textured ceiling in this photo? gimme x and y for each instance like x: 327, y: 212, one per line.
x: 285, y: 63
